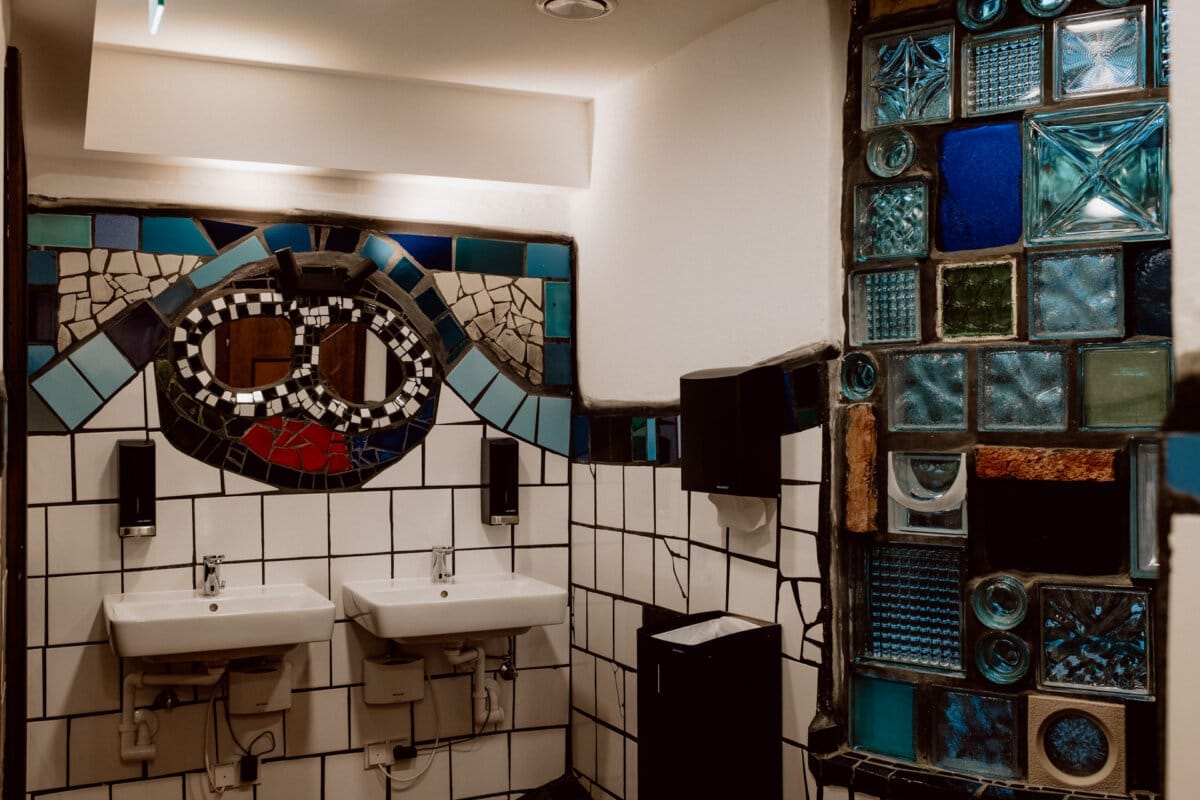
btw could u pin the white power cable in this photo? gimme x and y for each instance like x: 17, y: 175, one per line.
x: 208, y: 770
x: 437, y: 740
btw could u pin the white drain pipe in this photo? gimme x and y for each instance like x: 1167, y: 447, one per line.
x: 135, y: 727
x: 483, y: 695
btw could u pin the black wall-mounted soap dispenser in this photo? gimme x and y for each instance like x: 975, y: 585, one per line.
x: 499, y: 478
x: 135, y: 471
x: 730, y: 422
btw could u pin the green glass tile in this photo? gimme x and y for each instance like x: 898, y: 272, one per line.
x: 219, y: 268
x: 881, y: 716
x: 547, y: 260
x: 489, y: 256
x: 60, y: 230
x: 524, y: 424
x: 976, y: 300
x: 558, y: 309
x: 177, y: 235
x: 1126, y: 386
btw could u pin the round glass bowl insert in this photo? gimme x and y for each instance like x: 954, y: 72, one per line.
x: 1075, y: 743
x: 979, y: 14
x: 891, y: 152
x: 1002, y: 657
x: 859, y: 375
x: 1000, y: 602
x: 1045, y: 8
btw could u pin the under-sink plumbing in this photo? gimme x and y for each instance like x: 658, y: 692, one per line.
x: 136, y: 736
x: 485, y: 697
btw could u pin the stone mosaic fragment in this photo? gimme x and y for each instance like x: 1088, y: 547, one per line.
x: 861, y: 453
x: 1045, y: 464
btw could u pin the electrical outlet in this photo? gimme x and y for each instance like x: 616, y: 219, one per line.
x: 226, y: 775
x: 377, y: 754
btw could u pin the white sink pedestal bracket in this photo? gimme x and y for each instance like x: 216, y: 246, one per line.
x: 484, y: 693
x: 134, y: 727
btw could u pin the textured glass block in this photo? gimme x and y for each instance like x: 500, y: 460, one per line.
x: 891, y: 220
x: 884, y: 306
x: 1097, y: 173
x: 977, y: 733
x: 1002, y: 657
x: 927, y: 390
x: 1143, y: 517
x: 981, y: 187
x: 1152, y: 292
x: 882, y: 716
x: 1126, y: 386
x: 891, y: 152
x: 976, y: 301
x: 913, y: 611
x: 1002, y: 71
x: 1000, y: 602
x: 1099, y: 53
x: 1045, y: 8
x: 908, y: 77
x: 1075, y: 294
x: 1023, y: 389
x: 979, y: 14
x: 1162, y: 42
x: 1096, y: 639
x: 927, y: 493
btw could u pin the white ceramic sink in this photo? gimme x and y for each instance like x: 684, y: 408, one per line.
x: 240, y: 621
x: 471, y: 607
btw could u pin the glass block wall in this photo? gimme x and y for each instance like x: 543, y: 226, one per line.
x: 1007, y: 368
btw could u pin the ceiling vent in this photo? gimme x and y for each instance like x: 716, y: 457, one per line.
x: 576, y: 9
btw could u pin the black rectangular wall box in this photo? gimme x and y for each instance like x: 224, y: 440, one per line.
x: 138, y: 493
x: 730, y: 422
x: 709, y: 723
x: 498, y: 475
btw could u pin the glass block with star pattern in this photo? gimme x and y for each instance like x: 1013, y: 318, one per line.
x: 1100, y: 53
x: 1023, y: 389
x: 927, y: 390
x: 1096, y: 638
x: 975, y: 301
x: 884, y: 306
x: 913, y: 611
x: 891, y: 220
x: 1002, y: 71
x: 908, y: 77
x: 1076, y: 294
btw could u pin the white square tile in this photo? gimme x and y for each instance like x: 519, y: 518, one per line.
x: 583, y: 745
x: 600, y: 624
x: 556, y: 468
x: 360, y: 522
x: 469, y: 528
x: 229, y: 526
x: 161, y: 789
x: 93, y: 793
x: 542, y: 697
x: 798, y: 555
x: 583, y: 681
x: 33, y: 682
x: 159, y: 580
x: 706, y: 579
x: 354, y: 568
x: 799, y: 699
x: 374, y: 723
x: 317, y: 722
x: 480, y: 767
x: 578, y: 612
x: 529, y: 462
x: 349, y: 645
x: 801, y: 507
x: 455, y: 713
x: 451, y: 408
x: 790, y: 623
x: 704, y: 527
x: 312, y: 572
x: 670, y: 503
x: 631, y: 703
x: 195, y: 787
x: 627, y: 619
x: 452, y: 454
x: 610, y: 690
x: 483, y: 562
x: 82, y: 538
x: 45, y: 755
x: 609, y: 561
x: 35, y: 541
x: 422, y: 518
x: 291, y: 779
x: 35, y: 611
x: 759, y: 543
x: 547, y: 564
x: 172, y: 541
x: 296, y: 525
x: 412, y: 565
x: 583, y: 494
x: 95, y: 754
x: 610, y: 760
x: 245, y: 573
x: 75, y: 607
x: 233, y: 483
x: 408, y: 471
x: 96, y: 464
x: 670, y: 574
x: 639, y: 499
x: 148, y: 378
x: 48, y: 464
x: 434, y: 784
x: 610, y: 495
x: 639, y: 567
x: 538, y: 757
x: 125, y: 409
x: 583, y: 556
x: 544, y: 646
x: 801, y: 454
x: 81, y: 680
x: 178, y: 475
x: 631, y: 771
x: 752, y: 589
x: 544, y: 517
x: 345, y: 777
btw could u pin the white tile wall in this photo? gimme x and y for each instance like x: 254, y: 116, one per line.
x: 229, y: 526
x: 96, y: 464
x: 296, y: 525
x: 452, y: 455
x: 82, y: 538
x: 480, y: 767
x: 358, y: 522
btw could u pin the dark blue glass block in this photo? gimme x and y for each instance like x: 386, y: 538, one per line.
x: 431, y: 252
x: 927, y: 390
x: 342, y: 240
x: 1023, y: 389
x: 559, y: 369
x: 667, y: 439
x: 1162, y: 42
x: 1076, y: 744
x: 913, y: 611
x: 1076, y: 294
x: 289, y: 234
x: 431, y: 303
x: 579, y: 439
x: 42, y: 267
x: 883, y: 716
x: 1152, y: 292
x: 981, y: 187
x: 138, y: 334
x: 1100, y: 53
x: 116, y: 231
x: 1096, y: 639
x: 489, y: 256
x: 908, y: 78
x: 177, y: 235
x: 891, y: 220
x: 977, y: 733
x: 406, y: 275
x: 452, y: 334
x: 224, y: 234
x: 173, y: 298
x: 1002, y: 71
x: 885, y: 306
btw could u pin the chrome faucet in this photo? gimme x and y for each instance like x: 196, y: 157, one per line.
x: 212, y: 575
x: 440, y: 572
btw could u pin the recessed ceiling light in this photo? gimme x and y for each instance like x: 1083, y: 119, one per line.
x: 576, y: 9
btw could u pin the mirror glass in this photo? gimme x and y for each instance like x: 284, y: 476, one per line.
x: 357, y: 365
x: 250, y: 352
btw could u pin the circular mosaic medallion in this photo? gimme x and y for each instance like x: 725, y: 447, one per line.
x: 891, y: 152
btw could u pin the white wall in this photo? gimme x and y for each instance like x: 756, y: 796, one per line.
x: 710, y: 233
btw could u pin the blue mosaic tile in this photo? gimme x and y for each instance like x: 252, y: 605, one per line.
x: 1152, y: 292
x: 1096, y: 639
x: 981, y: 187
x: 67, y: 393
x: 1097, y: 174
x: 652, y: 439
x: 1076, y: 294
x: 883, y: 716
x: 174, y: 297
x: 977, y: 733
x: 1002, y: 71
x: 223, y: 233
x: 177, y: 235
x: 38, y: 356
x: 1023, y: 389
x: 1099, y: 53
x: 289, y: 234
x: 547, y: 260
x: 559, y: 368
x: 138, y: 334
x: 500, y: 401
x: 343, y: 240
x: 220, y: 267
x: 1183, y: 463
x: 381, y: 251
x: 59, y: 230
x: 524, y: 424
x: 406, y: 275
x: 452, y: 334
x: 42, y: 267
x: 884, y: 306
x: 580, y: 434
x: 554, y: 424
x: 489, y: 256
x: 891, y: 220
x: 431, y: 303
x: 1162, y: 42
x: 558, y: 309
x: 927, y: 390
x: 117, y: 231
x: 913, y: 609
x: 908, y: 78
x: 431, y: 252
x: 471, y: 374
x: 102, y: 364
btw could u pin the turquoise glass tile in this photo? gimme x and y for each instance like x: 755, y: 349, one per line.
x: 471, y: 375
x: 219, y: 268
x: 554, y: 424
x: 927, y: 390
x: 452, y: 333
x: 289, y: 234
x: 1097, y: 174
x: 652, y: 439
x: 882, y: 716
x: 173, y: 298
x: 1076, y: 294
x: 547, y: 260
x: 1023, y: 389
x: 178, y: 235
x: 102, y: 364
x: 559, y: 369
x: 39, y: 355
x: 884, y: 306
x: 117, y: 231
x: 1183, y: 463
x: 60, y: 230
x: 524, y: 424
x: 891, y: 220
x: 1100, y: 53
x: 490, y: 256
x: 558, y: 309
x: 42, y: 267
x: 431, y: 303
x: 1002, y: 71
x: 67, y: 393
x: 406, y: 274
x: 381, y: 251
x: 1162, y: 42
x: 908, y: 78
x: 500, y: 401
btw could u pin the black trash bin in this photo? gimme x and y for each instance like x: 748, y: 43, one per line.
x: 709, y: 717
